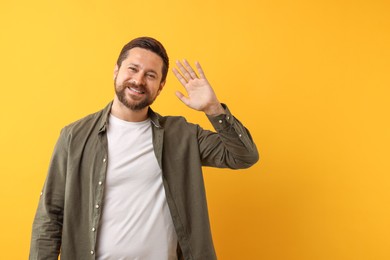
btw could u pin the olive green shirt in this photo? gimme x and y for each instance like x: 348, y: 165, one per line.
x: 70, y: 206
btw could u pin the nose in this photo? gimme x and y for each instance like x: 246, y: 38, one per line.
x: 138, y: 79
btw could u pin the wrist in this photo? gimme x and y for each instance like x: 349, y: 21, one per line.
x: 214, y: 110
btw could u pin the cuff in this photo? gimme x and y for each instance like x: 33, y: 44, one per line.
x: 222, y: 121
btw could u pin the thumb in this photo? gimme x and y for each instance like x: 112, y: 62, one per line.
x: 183, y: 99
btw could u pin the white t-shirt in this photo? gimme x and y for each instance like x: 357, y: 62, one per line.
x: 136, y: 223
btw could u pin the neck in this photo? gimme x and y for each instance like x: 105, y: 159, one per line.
x: 122, y: 112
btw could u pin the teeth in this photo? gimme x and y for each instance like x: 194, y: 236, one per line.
x: 136, y: 90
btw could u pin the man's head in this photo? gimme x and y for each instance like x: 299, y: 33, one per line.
x: 140, y: 73
x: 150, y: 44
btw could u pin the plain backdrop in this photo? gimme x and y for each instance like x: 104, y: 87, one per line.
x: 310, y: 79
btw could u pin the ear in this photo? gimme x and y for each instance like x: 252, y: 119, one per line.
x: 116, y: 70
x: 162, y: 84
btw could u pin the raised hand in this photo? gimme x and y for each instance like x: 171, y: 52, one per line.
x: 200, y: 94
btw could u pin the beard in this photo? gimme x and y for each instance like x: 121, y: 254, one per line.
x: 132, y: 103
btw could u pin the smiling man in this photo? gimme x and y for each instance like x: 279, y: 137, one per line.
x: 138, y: 81
x: 125, y: 182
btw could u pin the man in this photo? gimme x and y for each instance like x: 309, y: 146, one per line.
x: 125, y: 182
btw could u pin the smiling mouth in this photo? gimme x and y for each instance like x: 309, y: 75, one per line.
x: 136, y: 90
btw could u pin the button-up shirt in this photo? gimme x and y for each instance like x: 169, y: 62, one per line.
x: 70, y: 206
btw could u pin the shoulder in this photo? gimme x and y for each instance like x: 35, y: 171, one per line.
x: 90, y: 123
x: 177, y: 127
x: 171, y: 122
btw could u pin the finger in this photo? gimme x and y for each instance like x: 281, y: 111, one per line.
x: 183, y: 71
x: 182, y: 80
x: 183, y: 99
x: 200, y: 70
x: 189, y: 69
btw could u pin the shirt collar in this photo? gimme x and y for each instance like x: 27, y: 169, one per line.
x: 154, y: 117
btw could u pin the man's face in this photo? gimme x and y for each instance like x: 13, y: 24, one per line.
x: 138, y: 80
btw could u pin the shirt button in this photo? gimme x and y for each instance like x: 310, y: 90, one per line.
x: 100, y: 183
x: 104, y: 160
x: 220, y: 121
x: 240, y: 135
x: 93, y: 229
x: 228, y: 117
x: 92, y: 252
x: 41, y: 193
x: 97, y: 206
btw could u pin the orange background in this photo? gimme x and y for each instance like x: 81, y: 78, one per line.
x: 310, y: 79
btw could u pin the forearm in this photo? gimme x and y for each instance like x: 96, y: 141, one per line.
x: 231, y: 146
x: 46, y: 234
x: 47, y: 226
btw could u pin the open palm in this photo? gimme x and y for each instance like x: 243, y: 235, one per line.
x: 200, y: 95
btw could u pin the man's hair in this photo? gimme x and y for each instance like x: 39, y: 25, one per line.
x: 150, y: 44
